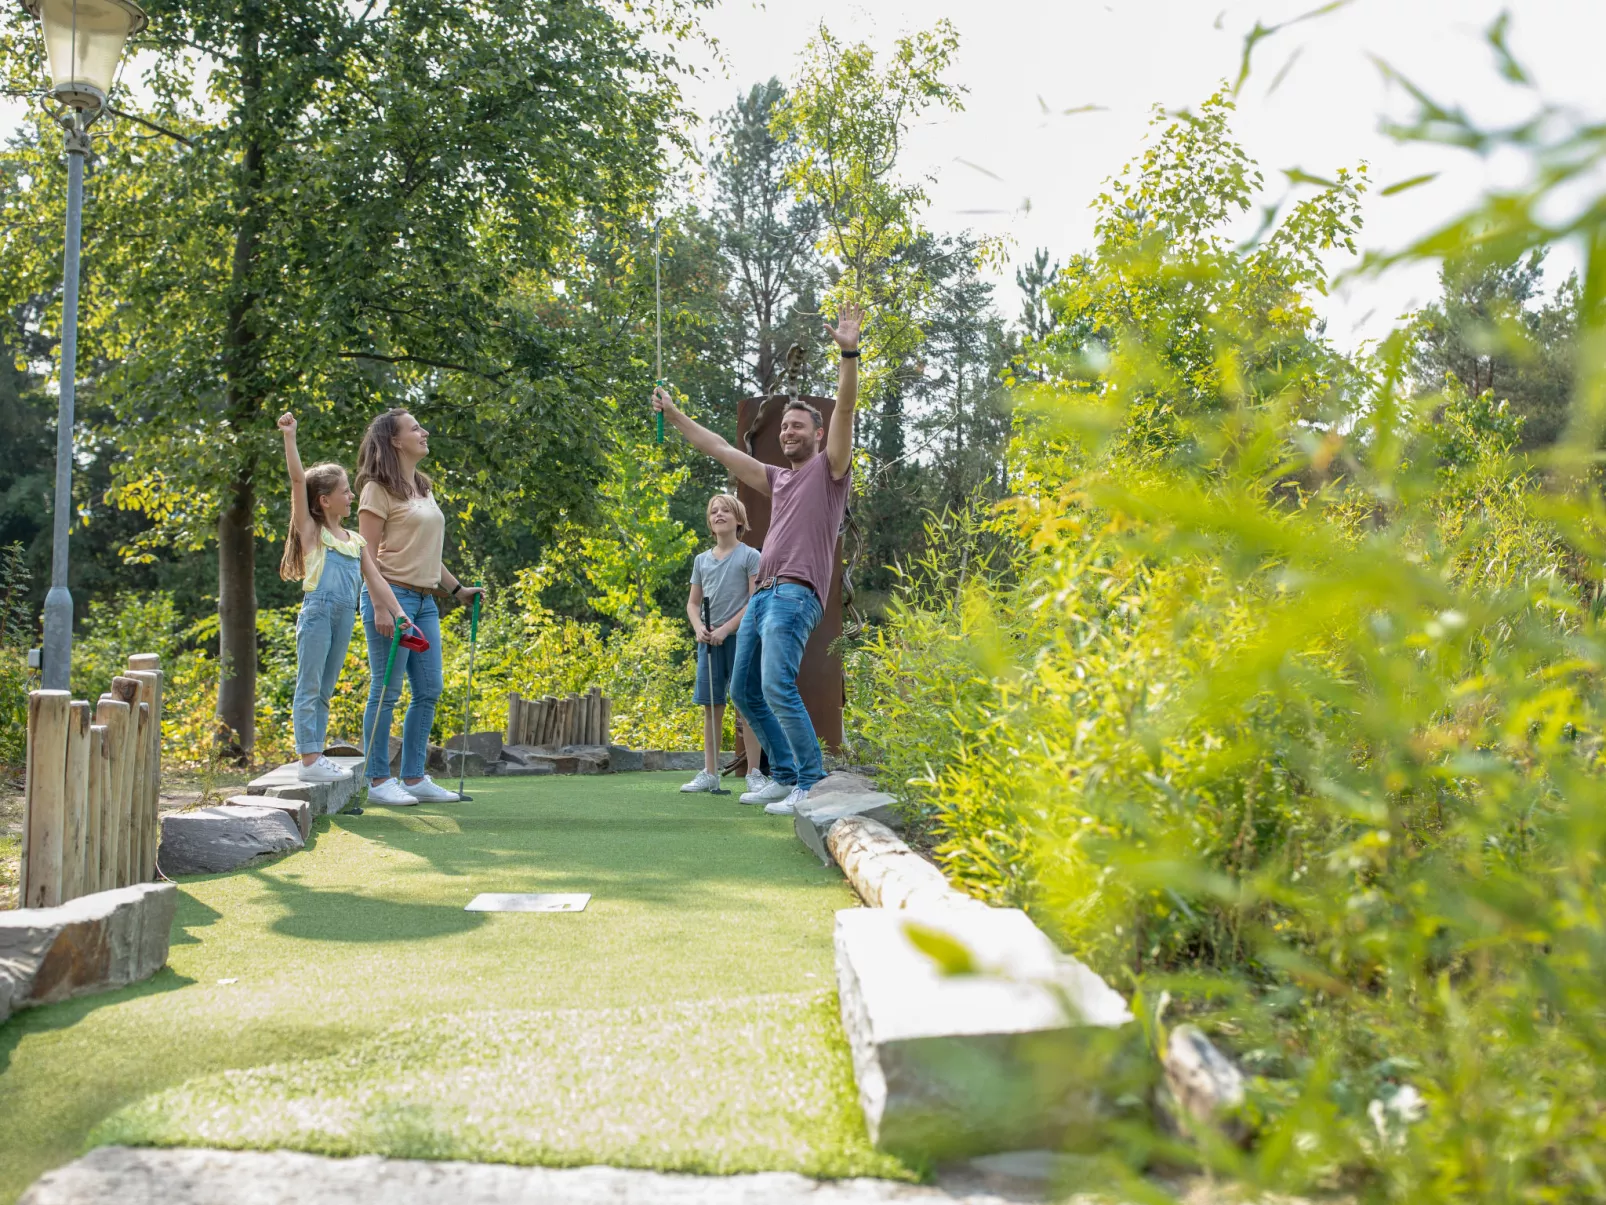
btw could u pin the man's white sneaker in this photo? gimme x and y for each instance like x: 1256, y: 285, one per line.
x: 703, y: 782
x: 757, y: 780
x: 393, y: 793
x: 322, y: 770
x: 425, y: 791
x: 789, y: 805
x: 769, y: 794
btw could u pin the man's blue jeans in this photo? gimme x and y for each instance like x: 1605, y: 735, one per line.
x: 769, y: 649
x: 423, y: 674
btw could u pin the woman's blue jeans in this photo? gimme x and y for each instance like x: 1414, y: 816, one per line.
x: 769, y: 650
x: 423, y: 674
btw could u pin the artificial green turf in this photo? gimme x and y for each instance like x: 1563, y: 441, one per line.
x: 685, y: 1020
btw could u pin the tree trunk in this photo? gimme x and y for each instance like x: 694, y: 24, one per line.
x: 236, y: 527
x: 237, y: 615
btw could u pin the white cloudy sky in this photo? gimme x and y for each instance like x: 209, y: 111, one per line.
x: 1127, y: 55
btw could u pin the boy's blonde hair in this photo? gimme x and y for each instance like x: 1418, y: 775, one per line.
x: 736, y: 508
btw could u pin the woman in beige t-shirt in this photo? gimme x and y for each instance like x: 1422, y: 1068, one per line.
x: 398, y: 517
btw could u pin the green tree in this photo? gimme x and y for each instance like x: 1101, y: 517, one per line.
x: 330, y: 209
x: 767, y: 238
x: 849, y: 114
x: 1492, y: 329
x: 636, y: 546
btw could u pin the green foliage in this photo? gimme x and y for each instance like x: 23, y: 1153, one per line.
x: 16, y: 632
x: 1277, y: 695
x: 637, y: 547
x: 848, y: 114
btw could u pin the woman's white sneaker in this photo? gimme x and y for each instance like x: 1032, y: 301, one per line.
x: 789, y: 805
x: 425, y: 791
x: 393, y: 793
x: 703, y: 782
x: 769, y: 794
x: 322, y: 770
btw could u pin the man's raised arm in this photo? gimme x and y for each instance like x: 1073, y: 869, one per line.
x: 748, y: 471
x: 839, y: 439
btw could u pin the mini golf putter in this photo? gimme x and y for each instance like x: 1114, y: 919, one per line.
x: 541, y: 901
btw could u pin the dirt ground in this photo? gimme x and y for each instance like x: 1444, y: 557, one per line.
x: 179, y: 790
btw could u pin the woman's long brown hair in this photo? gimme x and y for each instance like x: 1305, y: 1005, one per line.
x: 377, y: 459
x: 322, y: 480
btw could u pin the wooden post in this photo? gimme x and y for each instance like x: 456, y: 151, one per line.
x: 549, y: 710
x: 113, y: 715
x: 133, y: 817
x: 567, y: 737
x: 514, y: 715
x: 531, y: 722
x: 150, y: 770
x: 607, y: 720
x: 596, y: 716
x: 95, y: 813
x: 75, y: 805
x: 44, y: 815
x: 127, y: 776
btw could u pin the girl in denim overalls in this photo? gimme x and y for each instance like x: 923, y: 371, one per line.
x: 331, y: 563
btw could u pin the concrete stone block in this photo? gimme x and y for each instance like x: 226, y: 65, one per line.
x: 1203, y: 1085
x: 624, y: 761
x: 470, y: 764
x: 299, y: 810
x: 487, y: 744
x: 653, y: 759
x: 589, y: 759
x: 975, y: 1063
x: 813, y: 820
x: 841, y: 782
x: 682, y: 759
x: 324, y: 798
x: 95, y: 943
x: 212, y: 840
x: 887, y: 873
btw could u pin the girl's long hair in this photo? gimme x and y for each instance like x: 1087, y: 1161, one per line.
x: 322, y: 480
x: 377, y: 459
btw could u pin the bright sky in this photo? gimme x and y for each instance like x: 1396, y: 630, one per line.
x: 1019, y: 56
x: 1016, y: 56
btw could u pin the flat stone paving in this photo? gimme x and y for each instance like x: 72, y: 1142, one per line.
x: 132, y: 1176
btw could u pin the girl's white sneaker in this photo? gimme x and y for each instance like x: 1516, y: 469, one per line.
x: 322, y: 770
x: 425, y: 791
x: 703, y: 782
x: 789, y: 805
x: 393, y: 793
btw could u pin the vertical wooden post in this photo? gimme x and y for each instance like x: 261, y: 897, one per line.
x: 95, y: 813
x: 607, y: 720
x: 566, y: 735
x: 514, y: 715
x: 75, y: 804
x: 44, y: 815
x: 549, y: 710
x: 113, y: 714
x: 150, y: 769
x: 596, y: 716
x: 126, y: 690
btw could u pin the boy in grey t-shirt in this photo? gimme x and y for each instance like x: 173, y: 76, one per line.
x: 721, y: 583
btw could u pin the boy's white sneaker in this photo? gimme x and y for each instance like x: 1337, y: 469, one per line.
x: 789, y: 805
x: 769, y: 794
x: 322, y: 770
x: 425, y: 791
x: 393, y: 793
x: 702, y: 783
x: 757, y: 780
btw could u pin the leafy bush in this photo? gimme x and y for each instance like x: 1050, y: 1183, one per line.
x: 1282, y: 705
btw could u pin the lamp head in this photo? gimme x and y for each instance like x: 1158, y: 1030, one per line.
x: 84, y: 42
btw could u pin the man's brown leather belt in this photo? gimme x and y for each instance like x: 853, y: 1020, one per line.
x: 770, y: 583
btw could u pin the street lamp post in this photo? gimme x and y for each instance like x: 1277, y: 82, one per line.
x: 84, y: 42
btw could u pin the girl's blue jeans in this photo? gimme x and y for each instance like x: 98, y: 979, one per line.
x: 323, y: 630
x: 422, y: 672
x: 769, y: 650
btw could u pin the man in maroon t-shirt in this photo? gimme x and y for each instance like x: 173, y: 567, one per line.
x: 808, y: 499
